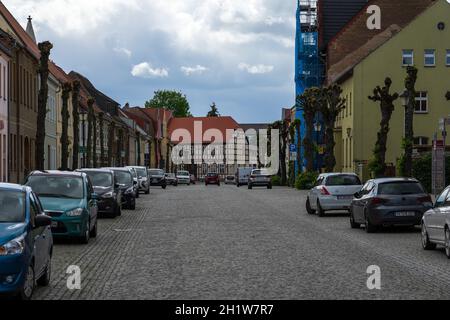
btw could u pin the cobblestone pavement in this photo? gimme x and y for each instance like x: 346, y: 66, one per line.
x: 226, y: 242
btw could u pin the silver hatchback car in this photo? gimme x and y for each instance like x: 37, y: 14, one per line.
x: 332, y: 192
x: 436, y: 224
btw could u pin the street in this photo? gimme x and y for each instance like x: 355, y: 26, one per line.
x: 197, y: 242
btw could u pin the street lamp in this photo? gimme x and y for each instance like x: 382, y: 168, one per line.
x: 404, y: 98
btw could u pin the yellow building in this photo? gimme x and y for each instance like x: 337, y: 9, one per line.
x: 424, y: 43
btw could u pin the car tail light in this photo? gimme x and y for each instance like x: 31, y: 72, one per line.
x: 426, y: 199
x: 324, y: 192
x: 377, y: 201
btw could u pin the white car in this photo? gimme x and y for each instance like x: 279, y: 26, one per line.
x: 184, y: 177
x: 436, y: 224
x: 332, y: 192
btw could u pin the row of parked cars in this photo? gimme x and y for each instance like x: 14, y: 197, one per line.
x: 57, y: 204
x: 383, y: 203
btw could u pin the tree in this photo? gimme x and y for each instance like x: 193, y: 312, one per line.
x: 410, y: 83
x: 386, y: 100
x: 330, y: 107
x: 308, y: 102
x: 45, y: 49
x: 66, y: 88
x: 111, y: 135
x: 102, y: 138
x: 170, y: 100
x: 138, y: 141
x: 94, y: 142
x: 91, y: 116
x: 214, y: 112
x: 297, y: 127
x: 119, y: 147
x: 76, y: 120
x: 283, y: 128
x: 447, y: 95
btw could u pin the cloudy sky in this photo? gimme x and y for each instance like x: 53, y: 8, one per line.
x: 238, y: 54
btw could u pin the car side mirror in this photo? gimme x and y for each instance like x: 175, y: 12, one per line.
x: 357, y: 195
x: 117, y: 185
x: 42, y: 221
x: 135, y: 182
x: 94, y: 196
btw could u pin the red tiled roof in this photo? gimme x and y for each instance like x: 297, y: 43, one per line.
x: 220, y: 123
x: 58, y: 72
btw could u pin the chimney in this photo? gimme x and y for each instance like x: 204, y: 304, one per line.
x: 30, y: 29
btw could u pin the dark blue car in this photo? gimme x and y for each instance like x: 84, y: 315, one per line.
x: 26, y: 242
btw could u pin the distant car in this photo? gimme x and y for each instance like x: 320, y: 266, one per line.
x: 242, y: 176
x: 135, y: 180
x: 331, y: 192
x: 69, y: 198
x: 230, y: 180
x: 108, y: 191
x: 127, y: 185
x: 260, y: 178
x: 436, y: 224
x: 26, y: 242
x: 389, y: 202
x: 212, y: 178
x: 184, y: 177
x: 143, y: 179
x: 158, y: 178
x: 193, y: 179
x: 171, y: 179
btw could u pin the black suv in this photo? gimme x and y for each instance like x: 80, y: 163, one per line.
x: 157, y: 178
x: 127, y: 186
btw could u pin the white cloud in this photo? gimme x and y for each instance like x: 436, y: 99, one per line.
x: 256, y: 69
x: 145, y: 70
x: 123, y: 51
x: 198, y: 69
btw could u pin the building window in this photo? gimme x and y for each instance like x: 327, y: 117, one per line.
x: 447, y: 58
x: 421, y: 102
x: 430, y: 58
x: 408, y: 57
x: 421, y: 141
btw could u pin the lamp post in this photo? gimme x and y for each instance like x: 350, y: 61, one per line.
x: 83, y: 115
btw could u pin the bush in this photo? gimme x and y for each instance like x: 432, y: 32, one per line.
x: 305, y: 180
x: 276, y: 181
x: 422, y: 170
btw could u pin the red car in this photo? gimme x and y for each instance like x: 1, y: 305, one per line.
x: 212, y: 178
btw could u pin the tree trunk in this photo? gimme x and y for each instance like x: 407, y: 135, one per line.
x: 308, y: 141
x: 410, y: 84
x: 102, y: 139
x: 299, y: 147
x: 329, y: 159
x: 76, y: 122
x: 66, y: 88
x: 119, y: 148
x: 45, y: 49
x: 94, y: 143
x: 138, y: 139
x: 90, y: 132
x: 111, y: 136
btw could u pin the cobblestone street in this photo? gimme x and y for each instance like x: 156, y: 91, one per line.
x: 202, y: 242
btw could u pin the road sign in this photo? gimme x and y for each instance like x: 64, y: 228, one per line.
x: 438, y: 166
x: 293, y: 156
x: 293, y: 148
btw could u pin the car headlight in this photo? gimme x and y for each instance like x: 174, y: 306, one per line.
x: 108, y: 195
x: 75, y: 213
x: 16, y: 246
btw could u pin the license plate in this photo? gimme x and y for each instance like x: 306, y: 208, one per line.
x: 345, y: 197
x: 54, y: 224
x: 405, y: 214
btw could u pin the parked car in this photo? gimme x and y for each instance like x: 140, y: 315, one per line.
x: 389, y: 202
x: 242, y: 176
x: 212, y: 178
x: 107, y: 189
x: 331, y: 192
x: 193, y: 179
x: 26, y: 242
x: 171, y: 179
x: 184, y: 177
x: 260, y: 178
x: 230, y: 180
x: 127, y: 186
x: 436, y: 224
x: 143, y: 179
x: 158, y: 178
x: 69, y: 198
x: 135, y: 180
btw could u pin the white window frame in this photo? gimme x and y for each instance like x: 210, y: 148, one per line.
x: 422, y: 140
x: 429, y: 53
x: 423, y: 96
x: 407, y: 53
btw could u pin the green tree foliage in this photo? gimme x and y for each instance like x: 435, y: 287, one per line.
x: 309, y: 102
x: 170, y: 100
x: 76, y: 120
x: 214, y: 112
x: 305, y: 180
x: 410, y: 83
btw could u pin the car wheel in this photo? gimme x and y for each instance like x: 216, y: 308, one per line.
x: 118, y: 211
x: 148, y: 191
x: 164, y: 187
x: 320, y: 211
x: 308, y: 207
x: 353, y: 224
x: 426, y: 243
x: 85, y: 238
x: 250, y: 187
x: 137, y: 195
x: 238, y: 185
x: 370, y: 228
x: 133, y: 205
x: 94, y: 232
x: 447, y: 242
x: 45, y: 279
x: 269, y: 187
x: 26, y: 292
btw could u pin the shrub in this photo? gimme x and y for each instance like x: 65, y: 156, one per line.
x: 276, y: 181
x: 305, y: 180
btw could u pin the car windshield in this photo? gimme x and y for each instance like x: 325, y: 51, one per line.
x: 400, y: 188
x: 12, y: 206
x: 260, y: 173
x: 170, y: 175
x: 156, y: 172
x: 100, y: 179
x: 141, y: 172
x: 343, y: 180
x: 57, y: 186
x: 124, y: 177
x: 212, y: 174
x: 183, y: 173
